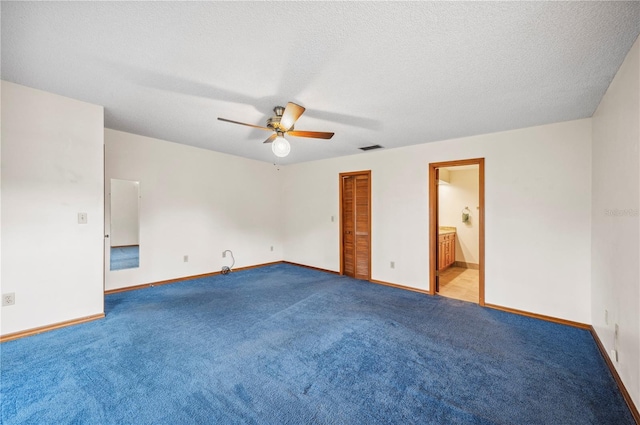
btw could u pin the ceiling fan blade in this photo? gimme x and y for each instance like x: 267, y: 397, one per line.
x: 290, y: 115
x: 271, y: 138
x: 313, y: 134
x: 248, y: 125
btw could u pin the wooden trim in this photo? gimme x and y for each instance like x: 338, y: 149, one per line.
x: 464, y: 265
x: 395, y: 285
x: 47, y: 328
x: 539, y: 316
x: 458, y: 162
x: 433, y: 221
x: 378, y: 282
x: 340, y: 229
x: 161, y: 282
x: 616, y: 377
x: 433, y: 227
x: 370, y: 221
x: 126, y: 288
x: 310, y: 267
x: 481, y: 268
x: 256, y: 266
x: 180, y: 279
x: 340, y: 183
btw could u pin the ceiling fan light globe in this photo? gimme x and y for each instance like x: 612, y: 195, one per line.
x: 280, y: 147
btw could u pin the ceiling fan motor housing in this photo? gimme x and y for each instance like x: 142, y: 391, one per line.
x: 274, y: 122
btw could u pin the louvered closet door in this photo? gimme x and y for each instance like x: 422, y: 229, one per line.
x: 356, y: 225
x: 348, y: 226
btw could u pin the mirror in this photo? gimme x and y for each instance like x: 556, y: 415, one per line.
x: 125, y: 235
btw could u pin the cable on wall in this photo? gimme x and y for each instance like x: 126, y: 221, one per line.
x: 227, y: 269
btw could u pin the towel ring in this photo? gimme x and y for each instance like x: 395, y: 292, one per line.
x: 466, y: 215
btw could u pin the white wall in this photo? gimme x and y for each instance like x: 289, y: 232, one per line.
x: 462, y: 191
x: 124, y: 212
x: 195, y: 202
x: 616, y: 222
x: 537, y: 200
x: 52, y: 168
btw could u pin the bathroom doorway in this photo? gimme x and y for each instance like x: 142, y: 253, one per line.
x: 456, y: 210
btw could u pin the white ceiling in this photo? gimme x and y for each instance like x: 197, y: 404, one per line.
x: 389, y: 73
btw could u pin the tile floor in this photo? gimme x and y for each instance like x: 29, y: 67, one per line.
x: 460, y: 283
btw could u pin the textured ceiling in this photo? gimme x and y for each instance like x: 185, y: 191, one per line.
x: 389, y: 73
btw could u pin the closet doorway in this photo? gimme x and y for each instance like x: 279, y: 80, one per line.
x: 355, y: 224
x: 456, y: 229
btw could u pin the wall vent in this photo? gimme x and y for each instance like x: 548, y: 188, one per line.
x: 369, y: 148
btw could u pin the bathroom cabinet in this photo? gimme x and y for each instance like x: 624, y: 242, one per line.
x: 446, y: 250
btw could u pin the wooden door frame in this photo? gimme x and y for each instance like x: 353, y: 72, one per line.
x: 433, y: 211
x: 340, y: 177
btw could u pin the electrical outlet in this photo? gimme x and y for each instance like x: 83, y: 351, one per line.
x: 614, y: 355
x: 186, y: 259
x: 333, y: 218
x: 82, y: 218
x: 224, y: 254
x: 271, y: 247
x: 8, y: 299
x: 393, y: 264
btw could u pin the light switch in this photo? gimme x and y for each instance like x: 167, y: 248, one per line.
x: 82, y: 218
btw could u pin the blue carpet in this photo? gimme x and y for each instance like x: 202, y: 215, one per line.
x: 125, y: 257
x: 288, y: 345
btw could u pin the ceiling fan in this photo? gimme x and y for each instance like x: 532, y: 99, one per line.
x: 282, y: 123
